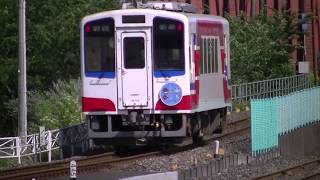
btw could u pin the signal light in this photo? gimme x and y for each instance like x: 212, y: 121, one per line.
x: 179, y: 27
x: 88, y: 28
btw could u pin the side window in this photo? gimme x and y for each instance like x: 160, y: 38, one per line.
x: 168, y: 44
x: 209, y: 49
x: 99, y: 52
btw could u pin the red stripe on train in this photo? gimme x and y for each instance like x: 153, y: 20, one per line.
x: 196, y: 62
x: 226, y: 91
x: 97, y: 104
x: 184, y: 104
x: 195, y: 97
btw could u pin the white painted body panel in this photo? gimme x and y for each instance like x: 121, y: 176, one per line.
x: 134, y: 85
x: 210, y: 89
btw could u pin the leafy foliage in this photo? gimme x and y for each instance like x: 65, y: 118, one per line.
x: 8, y: 59
x: 54, y: 38
x: 261, y: 47
x: 52, y: 47
x: 55, y: 108
x: 58, y: 107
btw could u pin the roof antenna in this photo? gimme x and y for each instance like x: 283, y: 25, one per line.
x: 134, y: 3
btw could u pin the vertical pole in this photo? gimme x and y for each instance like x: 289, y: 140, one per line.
x: 49, y: 145
x: 34, y: 148
x: 18, y: 148
x: 253, y: 7
x: 73, y: 170
x: 22, y: 72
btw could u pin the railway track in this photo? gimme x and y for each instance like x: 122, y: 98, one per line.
x: 107, y: 160
x: 306, y: 171
x: 84, y: 164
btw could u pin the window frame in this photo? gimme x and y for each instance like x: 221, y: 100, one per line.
x: 209, y: 57
x: 169, y: 72
x: 125, y: 53
x: 100, y: 73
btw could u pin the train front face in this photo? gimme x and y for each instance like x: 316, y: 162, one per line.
x: 135, y: 75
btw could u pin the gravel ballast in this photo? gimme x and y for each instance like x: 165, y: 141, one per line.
x: 204, y: 155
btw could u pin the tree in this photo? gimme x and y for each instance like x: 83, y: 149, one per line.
x: 52, y: 46
x: 261, y: 47
x: 8, y: 60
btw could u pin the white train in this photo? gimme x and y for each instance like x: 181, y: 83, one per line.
x: 156, y: 72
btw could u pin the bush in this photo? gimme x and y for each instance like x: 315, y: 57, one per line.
x: 58, y: 107
x: 261, y: 46
x: 7, y: 163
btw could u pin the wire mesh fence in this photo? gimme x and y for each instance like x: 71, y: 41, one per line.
x: 273, y: 117
x: 18, y: 147
x: 269, y: 88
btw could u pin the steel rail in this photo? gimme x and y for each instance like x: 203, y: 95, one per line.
x: 312, y: 176
x: 284, y: 171
x: 46, y: 166
x: 83, y: 164
x: 106, y: 160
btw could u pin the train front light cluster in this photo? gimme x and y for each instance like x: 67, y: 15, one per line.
x: 171, y: 94
x: 94, y: 123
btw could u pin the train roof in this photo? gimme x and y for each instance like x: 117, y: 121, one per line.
x: 155, y: 12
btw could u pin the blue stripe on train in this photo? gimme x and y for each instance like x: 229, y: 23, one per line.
x: 101, y: 74
x: 192, y: 86
x: 168, y: 73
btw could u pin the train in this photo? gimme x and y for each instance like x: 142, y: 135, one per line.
x: 157, y: 72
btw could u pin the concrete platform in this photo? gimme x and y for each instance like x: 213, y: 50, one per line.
x: 103, y: 175
x: 301, y: 142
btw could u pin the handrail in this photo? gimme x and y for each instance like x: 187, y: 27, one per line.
x: 17, y: 147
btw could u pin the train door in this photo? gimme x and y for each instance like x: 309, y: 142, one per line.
x: 134, y: 69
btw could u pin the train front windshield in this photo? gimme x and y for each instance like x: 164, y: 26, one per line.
x: 99, y: 47
x: 168, y: 45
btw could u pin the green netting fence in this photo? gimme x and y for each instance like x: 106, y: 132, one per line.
x: 273, y: 117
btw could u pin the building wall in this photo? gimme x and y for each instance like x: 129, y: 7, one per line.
x: 253, y: 7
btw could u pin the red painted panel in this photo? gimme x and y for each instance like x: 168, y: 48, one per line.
x: 209, y: 28
x: 196, y: 62
x: 195, y: 97
x: 197, y: 86
x: 248, y: 8
x: 232, y: 8
x: 198, y: 5
x: 226, y: 90
x: 269, y: 7
x: 183, y: 105
x: 257, y: 8
x: 220, y: 6
x: 97, y: 104
x: 213, y: 7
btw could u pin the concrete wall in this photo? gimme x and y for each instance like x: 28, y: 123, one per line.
x: 301, y: 142
x: 157, y: 176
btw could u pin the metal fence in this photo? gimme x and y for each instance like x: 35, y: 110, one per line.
x: 208, y: 170
x: 18, y: 147
x: 73, y: 140
x: 270, y: 88
x: 211, y: 170
x: 273, y: 117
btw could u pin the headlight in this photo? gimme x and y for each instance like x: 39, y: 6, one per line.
x: 95, y: 124
x: 171, y: 94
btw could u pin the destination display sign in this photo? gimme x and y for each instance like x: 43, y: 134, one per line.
x: 99, y: 27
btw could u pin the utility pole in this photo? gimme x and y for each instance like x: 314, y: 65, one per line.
x: 22, y: 83
x: 253, y: 8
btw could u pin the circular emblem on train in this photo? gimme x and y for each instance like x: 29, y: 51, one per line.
x: 171, y: 94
